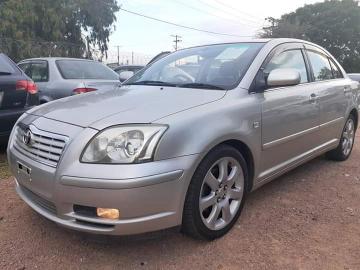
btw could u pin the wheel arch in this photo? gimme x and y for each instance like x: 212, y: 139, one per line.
x: 246, y: 152
x: 248, y: 156
x: 354, y: 113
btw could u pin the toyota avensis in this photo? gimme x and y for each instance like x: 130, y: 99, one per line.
x: 184, y: 140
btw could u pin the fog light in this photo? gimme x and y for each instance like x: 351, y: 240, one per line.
x: 108, y: 213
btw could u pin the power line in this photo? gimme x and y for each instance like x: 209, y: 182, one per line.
x: 181, y: 26
x: 237, y: 10
x: 234, y: 21
x: 224, y: 11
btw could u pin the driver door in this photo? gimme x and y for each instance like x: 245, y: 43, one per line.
x: 290, y: 115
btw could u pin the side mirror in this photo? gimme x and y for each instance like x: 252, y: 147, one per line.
x: 283, y: 77
x: 125, y: 75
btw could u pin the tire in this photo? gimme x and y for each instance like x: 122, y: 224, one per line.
x: 221, y: 202
x: 344, y: 149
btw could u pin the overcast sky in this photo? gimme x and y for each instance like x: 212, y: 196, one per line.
x: 233, y: 17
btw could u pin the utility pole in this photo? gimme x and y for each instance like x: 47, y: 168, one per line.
x: 118, y: 54
x: 176, y: 41
x: 88, y: 48
x: 132, y: 58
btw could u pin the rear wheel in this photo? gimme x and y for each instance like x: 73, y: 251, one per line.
x: 216, y: 194
x: 343, y: 151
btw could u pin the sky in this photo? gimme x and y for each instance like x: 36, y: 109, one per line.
x: 234, y: 19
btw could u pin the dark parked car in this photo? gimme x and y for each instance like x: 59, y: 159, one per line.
x: 355, y: 76
x: 158, y: 57
x: 17, y: 94
x: 127, y: 71
x: 62, y: 77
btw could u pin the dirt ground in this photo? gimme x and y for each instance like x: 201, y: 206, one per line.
x: 307, y: 219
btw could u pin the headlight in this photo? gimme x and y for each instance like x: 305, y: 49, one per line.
x: 124, y: 144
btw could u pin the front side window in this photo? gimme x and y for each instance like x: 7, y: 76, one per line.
x: 207, y: 67
x: 83, y: 69
x: 293, y: 59
x: 321, y: 66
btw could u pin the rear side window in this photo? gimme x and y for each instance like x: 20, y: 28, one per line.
x: 321, y: 66
x: 40, y: 71
x: 289, y: 59
x: 336, y: 71
x: 76, y: 69
x: 5, y: 67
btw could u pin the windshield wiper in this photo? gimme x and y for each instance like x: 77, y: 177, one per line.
x: 201, y: 85
x: 159, y: 83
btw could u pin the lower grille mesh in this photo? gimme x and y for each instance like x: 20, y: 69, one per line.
x: 39, y: 201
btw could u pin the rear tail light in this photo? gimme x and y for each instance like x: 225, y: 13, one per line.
x: 28, y: 86
x: 83, y: 90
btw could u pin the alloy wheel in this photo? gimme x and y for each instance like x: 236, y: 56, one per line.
x: 348, y: 137
x: 221, y: 193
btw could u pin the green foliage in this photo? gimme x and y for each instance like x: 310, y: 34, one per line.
x: 34, y: 28
x: 333, y: 24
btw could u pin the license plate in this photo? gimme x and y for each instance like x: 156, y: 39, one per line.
x: 24, y: 169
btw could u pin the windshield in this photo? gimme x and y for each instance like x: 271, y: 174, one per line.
x: 77, y: 69
x: 208, y: 67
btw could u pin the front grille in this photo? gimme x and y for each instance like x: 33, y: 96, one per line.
x: 44, y: 147
x: 39, y: 201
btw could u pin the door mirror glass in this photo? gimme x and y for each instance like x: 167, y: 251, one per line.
x: 283, y: 77
x: 125, y: 75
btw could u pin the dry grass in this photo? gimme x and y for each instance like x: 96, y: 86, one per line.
x: 4, y: 168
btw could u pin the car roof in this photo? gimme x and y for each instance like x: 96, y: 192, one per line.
x: 129, y: 66
x: 57, y: 58
x: 274, y: 41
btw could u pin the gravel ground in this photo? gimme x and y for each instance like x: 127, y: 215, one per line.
x: 307, y: 219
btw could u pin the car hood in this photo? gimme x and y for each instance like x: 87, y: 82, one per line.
x: 128, y: 104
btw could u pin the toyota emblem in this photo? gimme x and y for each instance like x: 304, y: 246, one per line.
x: 27, y: 137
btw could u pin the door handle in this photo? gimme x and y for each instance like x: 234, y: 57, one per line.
x: 313, y: 98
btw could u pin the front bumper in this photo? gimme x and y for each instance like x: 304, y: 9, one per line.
x: 149, y: 196
x: 150, y: 202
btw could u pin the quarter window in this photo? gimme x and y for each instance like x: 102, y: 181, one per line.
x: 336, y: 71
x: 26, y: 68
x: 321, y: 66
x: 37, y: 71
x: 289, y: 59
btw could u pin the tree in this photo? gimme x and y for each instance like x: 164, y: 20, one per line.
x: 35, y: 28
x: 333, y: 24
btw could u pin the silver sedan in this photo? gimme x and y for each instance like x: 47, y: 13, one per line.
x: 62, y: 77
x: 186, y: 139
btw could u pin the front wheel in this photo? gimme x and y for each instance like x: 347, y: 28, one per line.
x: 343, y: 151
x: 216, y: 194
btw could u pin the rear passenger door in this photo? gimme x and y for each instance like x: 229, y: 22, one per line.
x: 333, y: 91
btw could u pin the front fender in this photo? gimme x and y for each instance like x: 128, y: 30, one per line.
x: 200, y: 129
